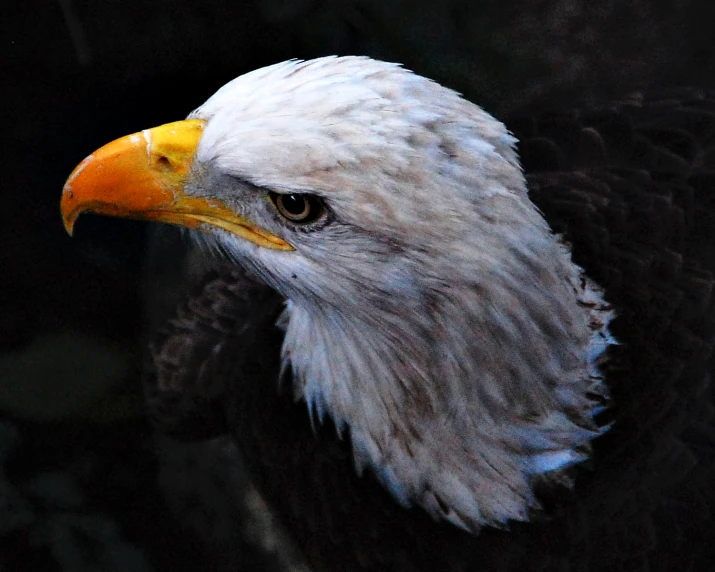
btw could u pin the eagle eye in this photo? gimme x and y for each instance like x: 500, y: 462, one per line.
x: 298, y: 208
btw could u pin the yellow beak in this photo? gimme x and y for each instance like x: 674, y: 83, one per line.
x: 142, y: 176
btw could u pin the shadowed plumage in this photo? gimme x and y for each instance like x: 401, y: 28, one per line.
x: 439, y: 336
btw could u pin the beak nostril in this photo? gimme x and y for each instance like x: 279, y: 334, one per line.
x: 163, y: 163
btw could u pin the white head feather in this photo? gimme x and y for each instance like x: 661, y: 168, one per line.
x: 436, y: 315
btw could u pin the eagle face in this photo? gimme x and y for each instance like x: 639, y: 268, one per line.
x: 431, y: 312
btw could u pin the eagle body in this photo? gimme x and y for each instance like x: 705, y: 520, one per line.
x: 456, y: 366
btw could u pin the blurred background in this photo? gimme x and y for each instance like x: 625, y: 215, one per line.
x: 84, y: 485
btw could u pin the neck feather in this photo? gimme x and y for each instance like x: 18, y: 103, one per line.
x: 461, y: 398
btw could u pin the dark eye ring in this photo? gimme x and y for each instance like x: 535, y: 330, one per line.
x: 298, y: 208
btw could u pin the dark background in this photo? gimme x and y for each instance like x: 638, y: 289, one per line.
x: 78, y: 486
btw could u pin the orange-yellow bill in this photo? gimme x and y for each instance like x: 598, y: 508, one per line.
x: 142, y: 176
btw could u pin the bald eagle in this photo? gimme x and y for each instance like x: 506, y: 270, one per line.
x: 418, y: 348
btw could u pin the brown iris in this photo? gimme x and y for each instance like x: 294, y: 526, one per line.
x: 298, y: 208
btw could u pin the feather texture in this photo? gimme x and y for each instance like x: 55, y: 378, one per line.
x: 436, y: 316
x: 627, y: 186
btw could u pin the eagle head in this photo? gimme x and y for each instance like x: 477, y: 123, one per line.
x: 431, y: 311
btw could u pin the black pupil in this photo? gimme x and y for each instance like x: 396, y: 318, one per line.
x: 294, y: 204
